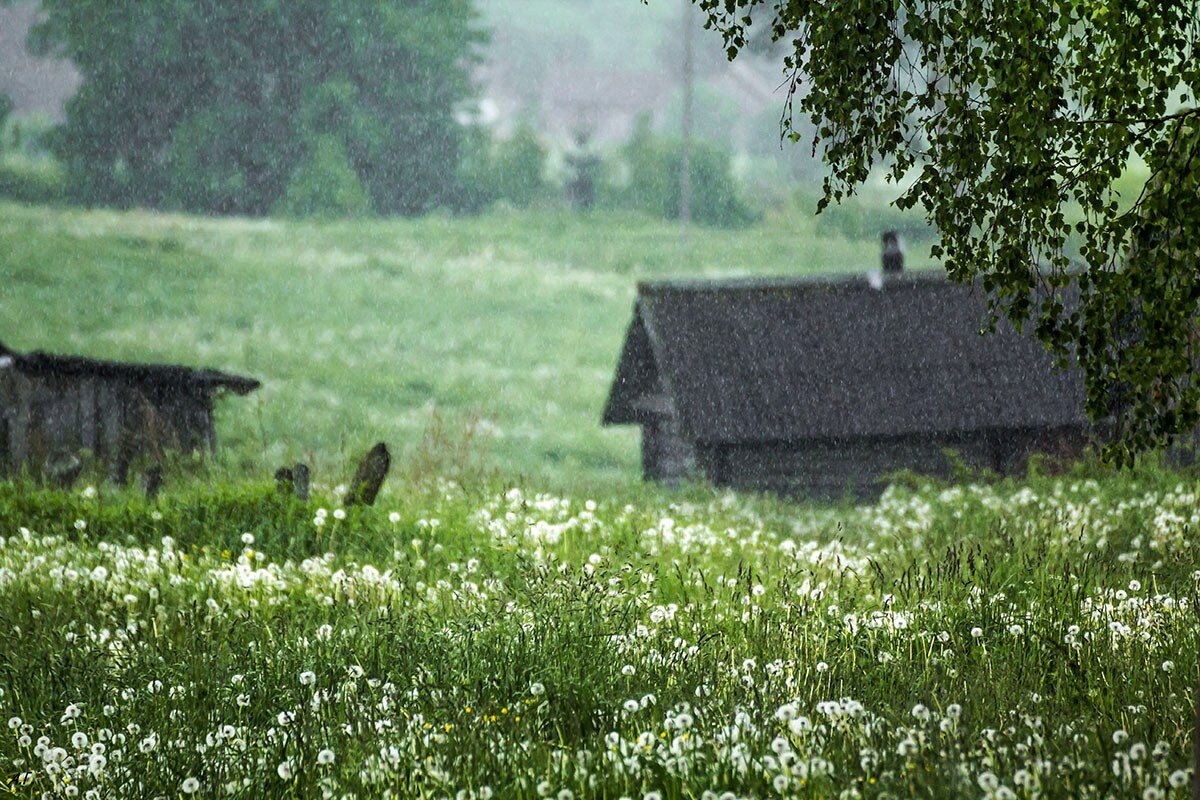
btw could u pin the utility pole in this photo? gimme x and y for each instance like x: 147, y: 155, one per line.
x: 687, y: 122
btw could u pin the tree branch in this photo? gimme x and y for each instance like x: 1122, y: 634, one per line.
x: 1187, y: 112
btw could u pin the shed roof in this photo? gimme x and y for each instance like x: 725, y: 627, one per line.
x: 168, y: 375
x: 834, y: 357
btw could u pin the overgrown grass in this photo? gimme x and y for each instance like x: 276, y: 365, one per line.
x: 468, y: 639
x: 510, y: 324
x: 1032, y: 640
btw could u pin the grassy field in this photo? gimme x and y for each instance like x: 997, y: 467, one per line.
x: 1033, y: 641
x: 508, y: 324
x: 480, y: 638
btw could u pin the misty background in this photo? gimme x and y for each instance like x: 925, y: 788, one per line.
x: 557, y: 80
x: 564, y: 65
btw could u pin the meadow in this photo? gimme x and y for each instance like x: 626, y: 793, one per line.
x: 497, y: 334
x: 518, y: 617
x: 1031, y: 639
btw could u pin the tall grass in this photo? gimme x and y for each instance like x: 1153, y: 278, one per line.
x: 1010, y: 640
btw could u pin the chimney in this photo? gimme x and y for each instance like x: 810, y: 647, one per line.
x: 893, y: 253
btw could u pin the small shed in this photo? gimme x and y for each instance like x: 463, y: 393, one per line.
x: 819, y: 387
x: 57, y: 411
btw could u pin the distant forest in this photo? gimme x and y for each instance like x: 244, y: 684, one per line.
x: 561, y: 65
x: 564, y: 102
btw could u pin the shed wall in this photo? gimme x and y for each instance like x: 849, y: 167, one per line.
x: 832, y: 469
x: 44, y: 418
x: 666, y: 455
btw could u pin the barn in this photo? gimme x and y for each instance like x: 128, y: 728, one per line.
x: 820, y: 387
x: 58, y: 412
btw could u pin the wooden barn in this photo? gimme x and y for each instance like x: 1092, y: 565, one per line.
x: 819, y: 387
x: 56, y: 412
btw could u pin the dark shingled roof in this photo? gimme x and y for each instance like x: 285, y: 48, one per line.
x: 835, y: 357
x: 167, y: 375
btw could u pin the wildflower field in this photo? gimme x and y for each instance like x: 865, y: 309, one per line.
x: 1033, y: 639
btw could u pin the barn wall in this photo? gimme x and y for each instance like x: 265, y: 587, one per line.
x: 109, y: 425
x: 666, y: 455
x: 88, y: 428
x: 158, y: 419
x: 185, y: 419
x: 47, y: 420
x: 834, y: 469
x: 8, y: 403
x: 16, y: 400
x: 43, y: 419
x: 1064, y: 444
x: 829, y: 469
x: 56, y: 415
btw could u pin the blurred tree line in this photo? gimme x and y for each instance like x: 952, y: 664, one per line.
x: 263, y: 105
x: 27, y: 173
x: 316, y: 107
x: 640, y: 176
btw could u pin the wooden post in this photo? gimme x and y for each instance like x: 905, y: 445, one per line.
x: 285, y: 480
x: 87, y: 414
x: 369, y: 477
x: 111, y: 424
x: 152, y: 482
x: 300, y: 481
x: 19, y: 424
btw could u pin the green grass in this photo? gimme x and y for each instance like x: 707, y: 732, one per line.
x: 471, y: 640
x: 1018, y: 640
x: 361, y: 330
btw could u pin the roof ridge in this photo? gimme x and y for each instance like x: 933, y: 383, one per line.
x: 40, y: 361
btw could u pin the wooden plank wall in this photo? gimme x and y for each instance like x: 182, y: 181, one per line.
x: 8, y: 407
x: 1065, y: 443
x: 185, y: 420
x: 16, y: 394
x: 110, y: 424
x: 112, y: 421
x: 88, y: 427
x: 833, y: 470
x: 666, y: 455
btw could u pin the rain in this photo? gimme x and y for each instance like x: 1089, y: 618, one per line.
x: 597, y: 399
